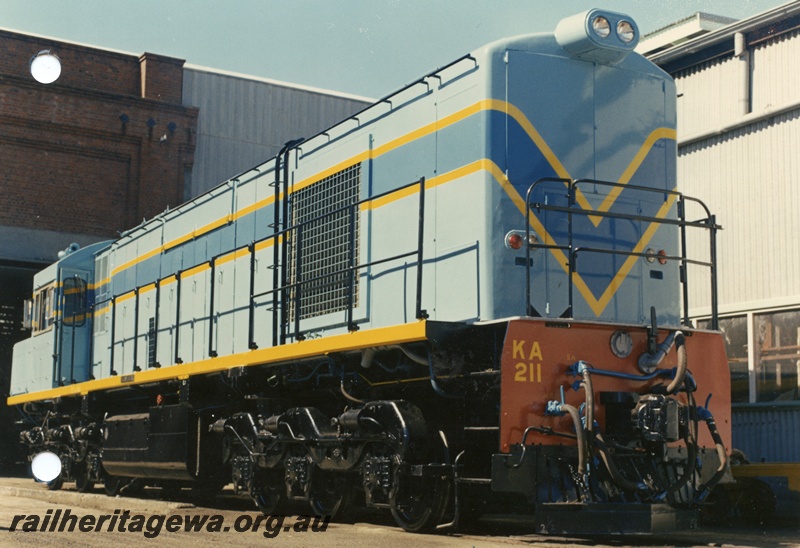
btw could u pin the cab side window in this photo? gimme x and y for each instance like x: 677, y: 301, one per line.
x: 40, y: 311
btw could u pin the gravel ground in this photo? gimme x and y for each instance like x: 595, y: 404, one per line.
x: 231, y: 520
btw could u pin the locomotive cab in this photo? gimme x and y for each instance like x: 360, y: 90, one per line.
x: 58, y: 353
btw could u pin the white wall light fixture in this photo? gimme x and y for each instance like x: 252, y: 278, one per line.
x: 45, y: 67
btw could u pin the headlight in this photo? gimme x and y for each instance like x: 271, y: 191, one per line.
x: 601, y: 27
x: 598, y: 36
x: 625, y: 31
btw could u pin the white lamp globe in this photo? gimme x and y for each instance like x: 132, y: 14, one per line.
x: 45, y: 67
x: 46, y: 466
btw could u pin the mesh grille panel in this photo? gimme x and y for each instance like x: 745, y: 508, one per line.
x: 323, y: 232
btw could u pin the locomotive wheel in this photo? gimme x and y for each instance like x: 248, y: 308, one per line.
x: 418, y: 503
x: 267, y: 491
x: 113, y: 485
x: 83, y: 484
x: 82, y: 474
x: 330, y: 493
x: 55, y: 484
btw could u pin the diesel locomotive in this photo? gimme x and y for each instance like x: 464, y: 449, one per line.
x: 470, y: 298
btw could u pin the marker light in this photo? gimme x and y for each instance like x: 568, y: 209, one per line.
x: 625, y: 31
x: 514, y: 240
x: 45, y: 67
x: 650, y: 255
x: 662, y: 257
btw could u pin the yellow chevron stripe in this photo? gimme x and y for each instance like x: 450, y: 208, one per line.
x: 596, y: 304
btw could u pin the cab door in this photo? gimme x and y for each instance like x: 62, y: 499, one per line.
x: 74, y: 327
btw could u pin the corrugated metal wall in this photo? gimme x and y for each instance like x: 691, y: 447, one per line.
x: 244, y: 121
x: 749, y: 175
x: 750, y: 178
x: 767, y: 433
x: 707, y: 95
x: 774, y: 71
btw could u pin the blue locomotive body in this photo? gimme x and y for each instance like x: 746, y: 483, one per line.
x: 368, y: 272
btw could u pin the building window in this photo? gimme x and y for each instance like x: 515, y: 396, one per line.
x: 770, y: 371
x: 777, y: 355
x: 734, y: 332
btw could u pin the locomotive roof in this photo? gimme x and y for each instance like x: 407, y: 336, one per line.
x: 545, y: 43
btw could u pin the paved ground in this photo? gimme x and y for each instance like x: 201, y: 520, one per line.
x: 145, y: 521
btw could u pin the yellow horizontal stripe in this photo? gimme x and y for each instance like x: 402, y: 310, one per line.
x: 124, y: 297
x: 405, y: 333
x: 484, y: 105
x: 136, y: 260
x: 147, y: 288
x: 361, y: 157
x: 195, y: 270
x: 253, y: 207
x: 238, y: 254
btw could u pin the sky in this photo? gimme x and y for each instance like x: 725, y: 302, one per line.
x: 361, y: 47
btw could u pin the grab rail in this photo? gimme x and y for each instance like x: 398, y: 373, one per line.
x: 572, y: 208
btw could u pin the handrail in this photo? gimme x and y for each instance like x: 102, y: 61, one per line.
x: 571, y: 209
x: 528, y: 236
x: 286, y: 289
x: 349, y: 271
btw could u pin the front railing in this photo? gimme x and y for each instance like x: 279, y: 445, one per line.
x: 572, y: 251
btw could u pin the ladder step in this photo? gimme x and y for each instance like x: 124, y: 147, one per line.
x: 475, y: 481
x: 482, y: 373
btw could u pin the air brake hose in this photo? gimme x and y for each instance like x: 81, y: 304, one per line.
x: 611, y: 466
x: 691, y: 447
x: 589, y: 390
x: 648, y: 362
x: 559, y: 408
x: 680, y: 349
x: 705, y: 415
x: 581, y: 436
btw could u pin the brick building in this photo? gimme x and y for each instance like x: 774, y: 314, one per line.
x: 118, y: 138
x: 93, y: 153
x: 89, y: 155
